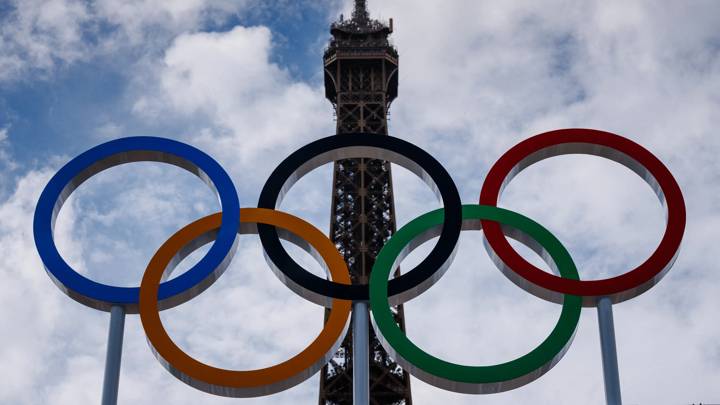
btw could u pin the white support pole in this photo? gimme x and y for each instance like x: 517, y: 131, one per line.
x: 114, y: 355
x: 361, y: 354
x: 609, y: 352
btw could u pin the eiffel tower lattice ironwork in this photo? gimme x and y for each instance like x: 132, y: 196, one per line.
x: 361, y: 81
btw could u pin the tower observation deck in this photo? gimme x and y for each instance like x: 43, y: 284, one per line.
x: 361, y: 81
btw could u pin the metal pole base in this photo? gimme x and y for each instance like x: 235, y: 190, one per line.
x: 114, y: 355
x: 609, y: 352
x: 361, y: 354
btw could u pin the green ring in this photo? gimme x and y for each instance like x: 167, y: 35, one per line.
x: 456, y: 377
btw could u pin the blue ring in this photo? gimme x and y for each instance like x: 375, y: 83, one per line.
x: 113, y: 153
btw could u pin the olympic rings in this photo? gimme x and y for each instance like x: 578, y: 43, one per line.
x: 473, y: 379
x: 338, y: 147
x: 117, y: 152
x: 155, y: 294
x: 603, y: 144
x: 243, y: 383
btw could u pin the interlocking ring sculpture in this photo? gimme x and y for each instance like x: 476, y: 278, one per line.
x: 221, y: 229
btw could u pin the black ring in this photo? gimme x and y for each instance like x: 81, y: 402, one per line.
x: 350, y: 146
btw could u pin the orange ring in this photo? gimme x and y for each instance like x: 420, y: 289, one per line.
x: 250, y: 383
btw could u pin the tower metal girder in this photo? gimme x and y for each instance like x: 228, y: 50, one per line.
x: 361, y: 68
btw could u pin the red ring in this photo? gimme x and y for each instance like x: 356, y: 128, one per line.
x: 604, y: 144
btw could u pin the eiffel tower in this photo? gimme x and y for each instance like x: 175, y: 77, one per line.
x: 361, y: 81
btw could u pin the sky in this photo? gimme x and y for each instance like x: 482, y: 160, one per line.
x: 242, y: 80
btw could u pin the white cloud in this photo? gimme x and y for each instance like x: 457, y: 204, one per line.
x: 7, y: 162
x: 37, y: 37
x: 115, y: 206
x: 137, y: 19
x: 247, y: 107
x: 32, y: 347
